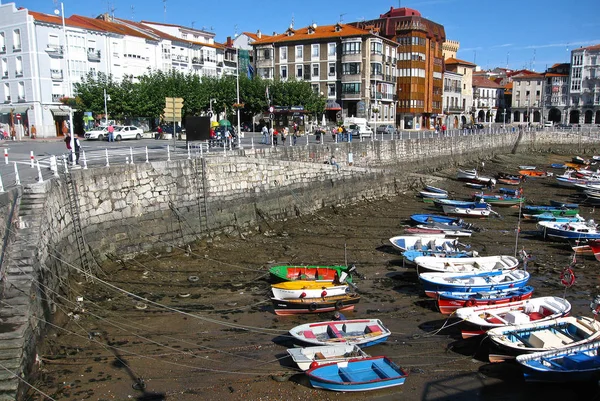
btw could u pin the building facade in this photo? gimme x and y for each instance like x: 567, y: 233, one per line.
x: 420, y: 65
x: 527, y: 97
x: 465, y: 70
x: 556, y: 93
x: 453, y: 104
x: 487, y: 97
x: 584, y: 92
x: 353, y: 68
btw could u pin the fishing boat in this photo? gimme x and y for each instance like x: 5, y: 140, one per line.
x: 581, y: 247
x: 562, y: 204
x: 551, y: 217
x: 425, y: 232
x: 556, y: 211
x: 472, y: 282
x: 432, y: 195
x: 581, y: 230
x: 431, y: 188
x: 508, y: 191
x: 423, y: 243
x: 535, y: 173
x: 362, y: 332
x: 309, y: 357
x: 373, y: 373
x: 476, y: 264
x: 594, y: 246
x: 327, y: 273
x: 449, y: 231
x: 558, y: 165
x: 448, y: 301
x: 453, y: 253
x: 309, y: 288
x: 435, y: 218
x: 466, y: 211
x: 542, y: 336
x: 295, y: 306
x: 473, y: 176
x: 479, y: 319
x: 499, y: 200
x: 572, y: 364
x: 509, y: 181
x: 579, y: 160
x: 474, y: 185
x: 527, y: 167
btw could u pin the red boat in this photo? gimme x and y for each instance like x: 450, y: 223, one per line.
x: 448, y: 302
x: 594, y: 245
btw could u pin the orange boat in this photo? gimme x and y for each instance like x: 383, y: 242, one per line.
x: 533, y: 173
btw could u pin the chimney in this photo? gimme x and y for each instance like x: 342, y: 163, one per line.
x: 229, y: 42
x: 259, y: 34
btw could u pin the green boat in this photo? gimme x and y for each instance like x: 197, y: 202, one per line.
x: 328, y: 273
x: 504, y: 201
x: 555, y: 211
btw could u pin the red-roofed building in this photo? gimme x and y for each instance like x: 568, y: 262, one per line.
x: 584, y: 91
x: 466, y: 70
x: 527, y: 97
x: 420, y: 65
x: 354, y: 68
x: 487, y: 98
x: 556, y: 93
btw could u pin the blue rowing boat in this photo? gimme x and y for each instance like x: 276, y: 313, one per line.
x: 366, y: 374
x: 433, y: 283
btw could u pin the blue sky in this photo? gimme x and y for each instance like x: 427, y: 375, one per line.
x: 531, y: 34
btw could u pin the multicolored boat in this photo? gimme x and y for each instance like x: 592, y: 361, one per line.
x: 295, y: 306
x: 448, y: 301
x: 327, y: 273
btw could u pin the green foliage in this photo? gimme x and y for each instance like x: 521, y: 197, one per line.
x: 146, y: 97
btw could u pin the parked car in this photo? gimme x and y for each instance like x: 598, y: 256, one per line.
x: 548, y: 124
x: 563, y: 126
x: 473, y: 126
x: 168, y: 128
x: 96, y: 133
x: 386, y: 129
x: 128, y: 132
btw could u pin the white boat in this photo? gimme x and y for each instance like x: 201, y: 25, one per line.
x: 465, y: 211
x: 479, y: 319
x: 432, y: 195
x: 309, y: 357
x: 363, y: 332
x: 472, y: 282
x: 527, y: 167
x: 543, y: 336
x: 466, y: 265
x: 423, y: 243
x: 308, y: 289
x: 473, y: 176
x: 431, y: 188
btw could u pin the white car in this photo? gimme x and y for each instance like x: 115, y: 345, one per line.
x: 128, y: 132
x: 98, y: 133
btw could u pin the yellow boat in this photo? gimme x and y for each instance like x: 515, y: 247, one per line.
x: 308, y: 289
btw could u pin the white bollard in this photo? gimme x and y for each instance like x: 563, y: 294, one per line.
x: 66, y: 165
x: 168, y: 153
x: 106, y: 153
x: 307, y: 139
x: 201, y: 150
x: 147, y: 161
x: 189, y: 153
x: 5, y: 155
x: 126, y: 159
x: 131, y: 154
x: 40, y: 178
x: 1, y: 185
x: 322, y: 138
x: 252, y: 143
x: 17, y: 179
x: 84, y: 160
x: 32, y: 159
x: 54, y: 165
x: 382, y: 137
x: 225, y: 148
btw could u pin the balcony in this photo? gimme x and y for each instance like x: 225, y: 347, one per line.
x: 180, y: 58
x: 56, y: 98
x: 454, y: 109
x: 56, y: 75
x: 17, y: 47
x: 21, y: 99
x: 197, y: 60
x: 7, y: 99
x: 19, y: 74
x: 351, y: 77
x: 93, y: 55
x: 5, y: 75
x: 2, y: 49
x: 55, y: 51
x: 377, y: 77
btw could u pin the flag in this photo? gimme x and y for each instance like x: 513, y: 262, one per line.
x: 267, y: 94
x: 250, y: 71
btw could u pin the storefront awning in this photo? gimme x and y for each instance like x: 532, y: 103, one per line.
x: 332, y: 105
x: 15, y: 109
x: 60, y: 111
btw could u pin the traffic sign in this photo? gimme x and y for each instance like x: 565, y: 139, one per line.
x: 338, y: 115
x: 210, y: 114
x: 272, y: 116
x: 18, y: 116
x: 176, y: 102
x: 271, y: 109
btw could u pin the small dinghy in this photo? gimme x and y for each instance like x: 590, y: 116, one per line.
x: 431, y: 188
x: 422, y: 243
x: 542, y: 336
x: 432, y: 195
x: 328, y: 273
x: 295, y: 306
x: 466, y: 211
x: 309, y: 357
x: 309, y: 288
x: 474, y: 282
x: 466, y: 265
x: 564, y: 205
x: 572, y: 364
x: 448, y: 301
x: 479, y: 319
x: 366, y: 374
x: 363, y: 332
x: 579, y: 231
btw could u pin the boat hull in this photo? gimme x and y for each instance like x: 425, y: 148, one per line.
x: 319, y: 289
x: 284, y: 307
x: 289, y: 273
x: 449, y: 302
x: 309, y: 357
x: 434, y: 283
x: 363, y: 332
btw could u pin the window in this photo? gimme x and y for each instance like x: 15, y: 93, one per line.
x: 350, y: 68
x: 376, y: 47
x: 283, y: 72
x: 19, y: 66
x: 4, y: 68
x: 314, y: 52
x: 331, y: 50
x: 53, y: 41
x: 299, y: 71
x: 592, y: 59
x: 2, y: 43
x: 283, y: 53
x: 351, y: 48
x: 330, y: 90
x: 351, y: 88
x: 6, y: 92
x: 16, y: 39
x: 299, y: 52
x: 376, y: 69
x: 315, y: 70
x: 21, y: 91
x: 266, y: 53
x: 331, y: 69
x: 315, y: 88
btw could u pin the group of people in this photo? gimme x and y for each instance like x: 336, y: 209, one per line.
x: 273, y: 134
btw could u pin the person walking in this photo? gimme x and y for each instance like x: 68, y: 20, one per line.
x: 284, y: 135
x: 265, y: 135
x: 77, y: 146
x: 33, y: 131
x: 275, y: 134
x: 111, y: 133
x: 159, y: 132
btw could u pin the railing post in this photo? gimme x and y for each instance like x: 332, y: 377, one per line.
x: 5, y: 155
x: 40, y: 178
x: 32, y: 159
x: 1, y: 185
x: 131, y: 154
x: 168, y: 153
x: 188, y: 149
x: 146, y: 150
x: 17, y: 179
x: 84, y: 160
x: 106, y: 153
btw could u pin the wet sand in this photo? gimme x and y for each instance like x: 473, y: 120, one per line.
x: 207, y: 331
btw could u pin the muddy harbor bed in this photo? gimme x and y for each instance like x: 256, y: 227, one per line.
x: 207, y: 330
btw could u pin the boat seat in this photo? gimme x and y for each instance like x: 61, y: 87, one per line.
x: 535, y: 316
x: 345, y: 375
x: 372, y: 329
x: 377, y: 369
x: 334, y: 332
x: 319, y: 355
x: 309, y: 334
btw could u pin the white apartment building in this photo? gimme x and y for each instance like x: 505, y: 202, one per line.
x: 452, y: 99
x: 487, y: 96
x: 465, y: 70
x: 556, y: 93
x: 584, y: 94
x: 41, y: 59
x: 527, y: 97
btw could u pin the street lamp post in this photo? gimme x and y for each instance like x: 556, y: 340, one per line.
x: 237, y: 88
x: 68, y: 94
x: 106, y: 97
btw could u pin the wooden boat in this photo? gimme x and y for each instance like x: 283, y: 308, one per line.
x: 564, y: 205
x: 543, y: 336
x: 451, y: 254
x: 473, y: 282
x: 431, y: 188
x: 534, y: 173
x: 473, y: 176
x: 435, y: 218
x: 556, y: 211
x: 580, y: 247
x: 327, y: 273
x: 551, y: 217
x: 509, y: 181
x: 432, y: 195
x: 499, y: 200
x: 582, y: 230
x: 479, y: 319
x: 572, y: 364
x: 509, y: 176
x: 466, y: 211
x: 459, y: 203
x: 424, y: 232
x: 423, y: 243
x: 508, y: 191
x: 309, y: 357
x: 449, y: 231
x: 466, y: 265
x: 309, y: 288
x: 594, y: 246
x: 448, y: 301
x: 365, y: 374
x: 295, y: 306
x: 363, y: 332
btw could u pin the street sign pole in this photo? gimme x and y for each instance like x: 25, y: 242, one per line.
x: 174, y: 127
